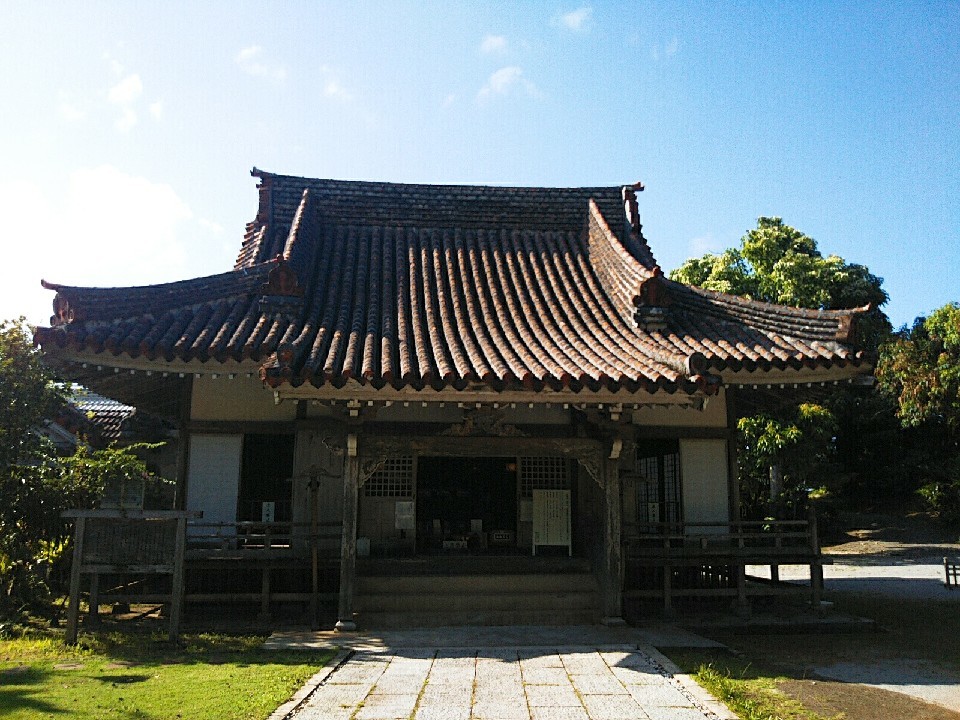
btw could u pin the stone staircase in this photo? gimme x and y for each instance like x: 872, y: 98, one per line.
x: 557, y: 594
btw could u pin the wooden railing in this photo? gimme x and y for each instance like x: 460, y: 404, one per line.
x: 661, y: 557
x: 755, y: 538
x: 250, y: 538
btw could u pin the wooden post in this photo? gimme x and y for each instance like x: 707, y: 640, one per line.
x: 733, y: 466
x: 667, y: 591
x: 348, y: 545
x: 93, y: 606
x: 265, y: 593
x: 816, y: 569
x: 177, y: 582
x: 314, y: 487
x: 183, y: 442
x: 742, y: 606
x: 73, y: 611
x: 613, y: 544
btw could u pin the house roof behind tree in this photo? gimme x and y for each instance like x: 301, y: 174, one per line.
x: 448, y: 286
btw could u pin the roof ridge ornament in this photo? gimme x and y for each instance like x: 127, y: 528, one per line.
x: 630, y: 206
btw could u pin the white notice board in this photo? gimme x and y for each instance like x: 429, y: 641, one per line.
x: 551, y: 519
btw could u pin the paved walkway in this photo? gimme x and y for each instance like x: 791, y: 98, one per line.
x: 373, y: 681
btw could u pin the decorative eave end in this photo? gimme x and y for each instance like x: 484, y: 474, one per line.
x: 652, y: 303
x: 63, y: 311
x: 847, y: 324
x: 282, y: 294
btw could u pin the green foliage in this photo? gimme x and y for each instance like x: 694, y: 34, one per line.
x: 921, y: 368
x: 36, y: 485
x: 920, y: 371
x: 799, y: 444
x: 28, y: 395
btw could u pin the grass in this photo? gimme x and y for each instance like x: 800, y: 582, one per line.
x: 131, y: 676
x: 751, y: 693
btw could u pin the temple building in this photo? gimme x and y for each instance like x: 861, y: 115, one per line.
x: 454, y: 403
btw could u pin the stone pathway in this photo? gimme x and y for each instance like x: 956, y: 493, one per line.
x: 580, y: 682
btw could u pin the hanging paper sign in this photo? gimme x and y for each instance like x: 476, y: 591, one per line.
x: 551, y: 519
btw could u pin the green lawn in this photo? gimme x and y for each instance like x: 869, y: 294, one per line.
x: 128, y: 676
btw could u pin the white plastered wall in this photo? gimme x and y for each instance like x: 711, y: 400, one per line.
x: 213, y: 476
x: 704, y: 471
x: 241, y: 399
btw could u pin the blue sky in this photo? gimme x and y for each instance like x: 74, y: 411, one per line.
x: 127, y: 130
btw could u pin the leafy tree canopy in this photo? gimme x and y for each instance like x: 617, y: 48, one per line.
x: 28, y: 395
x: 921, y: 368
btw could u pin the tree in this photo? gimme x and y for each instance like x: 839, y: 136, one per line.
x: 777, y: 263
x: 36, y: 485
x: 920, y: 370
x: 28, y: 395
x: 795, y: 449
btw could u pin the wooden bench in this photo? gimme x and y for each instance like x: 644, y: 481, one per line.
x: 951, y: 570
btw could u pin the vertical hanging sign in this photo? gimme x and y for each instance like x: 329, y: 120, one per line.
x: 551, y: 519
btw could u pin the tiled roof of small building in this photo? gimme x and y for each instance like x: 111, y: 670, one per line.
x: 107, y: 415
x: 416, y: 285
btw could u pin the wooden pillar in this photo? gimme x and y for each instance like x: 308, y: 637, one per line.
x: 93, y: 607
x: 612, y: 585
x: 348, y: 545
x: 667, y: 591
x: 183, y: 442
x: 816, y: 567
x: 73, y: 610
x: 177, y: 581
x: 733, y: 469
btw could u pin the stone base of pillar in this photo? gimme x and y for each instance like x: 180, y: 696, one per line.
x: 613, y: 621
x: 345, y: 626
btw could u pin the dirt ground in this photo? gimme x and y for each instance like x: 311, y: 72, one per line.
x: 890, y: 570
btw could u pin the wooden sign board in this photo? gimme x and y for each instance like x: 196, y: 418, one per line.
x: 551, y: 519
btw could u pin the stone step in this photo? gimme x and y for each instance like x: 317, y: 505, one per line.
x: 476, y: 584
x: 389, y: 620
x: 586, y: 600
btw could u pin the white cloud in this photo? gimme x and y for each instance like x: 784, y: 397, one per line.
x: 250, y: 59
x: 127, y: 91
x: 214, y: 227
x: 156, y: 109
x: 331, y: 85
x: 704, y: 244
x: 505, y: 81
x: 125, y: 95
x: 494, y: 45
x: 70, y: 109
x: 669, y: 49
x: 104, y: 228
x: 576, y: 20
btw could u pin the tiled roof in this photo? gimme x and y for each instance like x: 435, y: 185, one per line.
x: 416, y: 285
x: 107, y: 415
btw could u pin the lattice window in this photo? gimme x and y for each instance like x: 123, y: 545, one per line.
x: 543, y: 473
x: 392, y: 479
x: 658, y: 487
